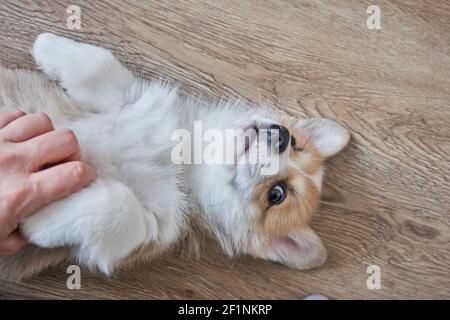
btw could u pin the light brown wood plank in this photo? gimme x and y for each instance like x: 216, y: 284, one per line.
x: 386, y: 200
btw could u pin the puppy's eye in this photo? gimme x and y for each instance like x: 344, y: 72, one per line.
x: 293, y: 142
x: 276, y: 195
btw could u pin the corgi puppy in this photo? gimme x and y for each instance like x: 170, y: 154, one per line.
x: 153, y: 188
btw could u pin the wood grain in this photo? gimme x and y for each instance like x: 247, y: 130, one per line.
x: 386, y: 200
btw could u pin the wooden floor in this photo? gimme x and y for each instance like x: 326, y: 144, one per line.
x: 387, y: 197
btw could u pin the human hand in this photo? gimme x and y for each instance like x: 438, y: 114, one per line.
x: 38, y: 164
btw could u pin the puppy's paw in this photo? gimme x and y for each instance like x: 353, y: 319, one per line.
x: 113, y: 228
x: 47, y: 51
x: 152, y: 227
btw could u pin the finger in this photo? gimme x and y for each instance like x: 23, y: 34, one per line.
x: 9, y: 116
x: 53, y: 147
x: 27, y: 127
x: 55, y: 183
x: 12, y: 244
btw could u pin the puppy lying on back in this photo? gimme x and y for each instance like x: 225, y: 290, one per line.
x: 154, y: 187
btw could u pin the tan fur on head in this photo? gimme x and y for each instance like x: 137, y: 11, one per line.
x: 305, y: 155
x: 303, y: 195
x: 294, y: 212
x: 285, y: 226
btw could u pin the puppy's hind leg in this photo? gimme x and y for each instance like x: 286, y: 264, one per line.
x: 91, y: 75
x: 104, y: 222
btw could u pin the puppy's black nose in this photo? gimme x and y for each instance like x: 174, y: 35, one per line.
x: 283, y: 137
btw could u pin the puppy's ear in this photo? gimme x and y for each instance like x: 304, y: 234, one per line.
x: 300, y: 250
x: 328, y: 136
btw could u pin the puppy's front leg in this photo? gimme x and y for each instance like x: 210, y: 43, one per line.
x: 103, y: 222
x: 91, y: 75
